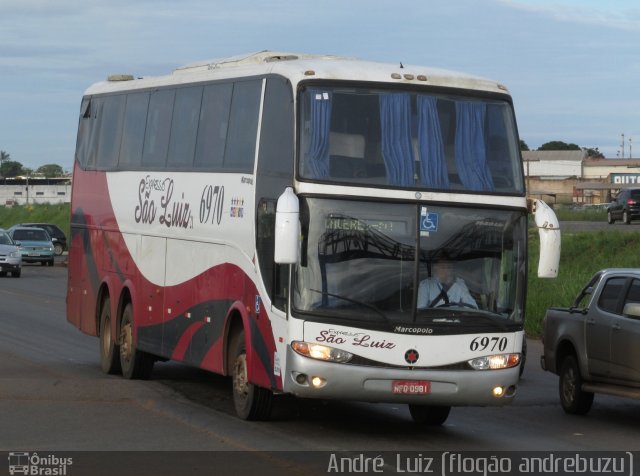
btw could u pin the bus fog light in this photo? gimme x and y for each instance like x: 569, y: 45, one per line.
x: 318, y: 382
x: 301, y: 379
x: 498, y: 391
x: 495, y: 362
x: 321, y: 352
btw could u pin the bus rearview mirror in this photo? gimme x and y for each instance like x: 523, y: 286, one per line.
x: 549, y: 231
x: 287, y: 228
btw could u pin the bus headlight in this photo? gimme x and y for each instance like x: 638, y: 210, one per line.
x: 321, y: 352
x: 495, y: 362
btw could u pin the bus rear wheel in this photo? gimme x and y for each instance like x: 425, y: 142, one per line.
x: 135, y: 363
x: 429, y: 414
x: 109, y: 351
x: 251, y: 402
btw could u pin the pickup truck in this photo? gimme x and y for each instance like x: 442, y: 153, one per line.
x: 594, y: 346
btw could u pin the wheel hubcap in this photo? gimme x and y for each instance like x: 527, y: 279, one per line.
x: 240, y: 381
x: 569, y: 386
x: 126, y: 338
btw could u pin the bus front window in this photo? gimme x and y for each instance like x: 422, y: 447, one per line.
x: 408, y: 139
x: 356, y: 258
x: 405, y: 263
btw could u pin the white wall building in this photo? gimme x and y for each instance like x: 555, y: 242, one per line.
x: 25, y: 191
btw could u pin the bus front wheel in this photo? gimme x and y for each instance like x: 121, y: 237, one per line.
x: 429, y: 415
x: 135, y: 363
x: 251, y: 402
x: 109, y: 351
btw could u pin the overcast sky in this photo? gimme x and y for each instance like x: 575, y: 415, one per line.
x: 572, y: 66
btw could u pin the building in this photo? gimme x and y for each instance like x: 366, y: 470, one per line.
x: 572, y: 177
x: 553, y: 173
x: 30, y: 190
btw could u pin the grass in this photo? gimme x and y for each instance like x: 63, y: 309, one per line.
x: 585, y: 213
x: 56, y: 214
x: 582, y: 255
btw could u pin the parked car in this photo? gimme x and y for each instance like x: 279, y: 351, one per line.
x: 34, y: 243
x: 10, y: 256
x: 58, y: 237
x: 594, y: 346
x: 625, y: 207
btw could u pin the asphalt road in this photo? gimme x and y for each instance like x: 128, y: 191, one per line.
x: 54, y: 397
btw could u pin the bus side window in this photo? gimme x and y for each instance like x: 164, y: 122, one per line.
x: 156, y: 137
x: 84, y: 132
x: 213, y: 126
x: 243, y: 126
x: 184, y: 128
x: 135, y: 120
x: 110, y: 132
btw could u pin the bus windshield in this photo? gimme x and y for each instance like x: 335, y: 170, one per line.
x: 408, y: 139
x: 408, y: 263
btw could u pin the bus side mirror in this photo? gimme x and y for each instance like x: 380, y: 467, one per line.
x: 549, y: 230
x: 287, y: 228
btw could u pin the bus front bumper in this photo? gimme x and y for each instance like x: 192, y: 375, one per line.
x: 375, y: 384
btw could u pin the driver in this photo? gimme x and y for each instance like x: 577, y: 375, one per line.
x: 443, y: 288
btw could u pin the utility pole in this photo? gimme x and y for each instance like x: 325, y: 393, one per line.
x: 622, y: 145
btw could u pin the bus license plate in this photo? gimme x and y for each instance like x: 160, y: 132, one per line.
x: 411, y: 387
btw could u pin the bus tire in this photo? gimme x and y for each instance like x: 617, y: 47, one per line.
x: 572, y: 398
x: 251, y: 402
x: 429, y: 414
x: 109, y: 351
x: 136, y: 364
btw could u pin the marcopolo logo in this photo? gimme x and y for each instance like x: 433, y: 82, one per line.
x: 34, y: 464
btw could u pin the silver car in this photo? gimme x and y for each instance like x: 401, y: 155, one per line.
x: 10, y: 256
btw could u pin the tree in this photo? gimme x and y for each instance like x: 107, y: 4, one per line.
x: 559, y: 145
x: 523, y: 145
x: 50, y: 170
x: 10, y: 168
x: 4, y: 156
x: 594, y: 153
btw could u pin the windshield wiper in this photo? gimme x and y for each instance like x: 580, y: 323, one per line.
x: 353, y: 301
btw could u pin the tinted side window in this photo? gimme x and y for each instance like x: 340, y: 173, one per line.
x: 156, y: 138
x: 84, y: 131
x: 93, y: 126
x: 633, y: 296
x: 611, y: 295
x: 276, y: 136
x: 214, y: 123
x: 243, y: 126
x: 623, y: 197
x: 184, y: 127
x: 135, y: 120
x: 110, y: 132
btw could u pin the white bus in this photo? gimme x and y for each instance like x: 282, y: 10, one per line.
x: 282, y: 219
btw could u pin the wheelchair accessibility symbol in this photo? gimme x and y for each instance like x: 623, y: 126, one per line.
x: 428, y: 221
